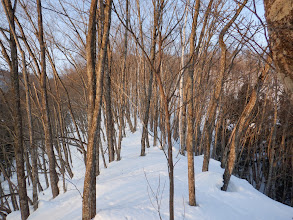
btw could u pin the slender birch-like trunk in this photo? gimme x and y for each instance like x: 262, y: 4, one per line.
x: 45, y: 107
x: 241, y: 125
x: 95, y: 101
x: 16, y: 111
x: 182, y: 108
x: 144, y: 138
x: 189, y: 118
x: 214, y: 101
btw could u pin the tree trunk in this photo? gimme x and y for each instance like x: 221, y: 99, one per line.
x: 16, y: 111
x: 33, y: 146
x: 109, y: 117
x: 89, y: 189
x: 214, y: 101
x: 243, y: 122
x: 169, y: 140
x: 144, y: 138
x: 94, y: 105
x: 279, y: 16
x: 45, y: 107
x: 272, y: 144
x: 61, y: 119
x: 189, y: 118
x: 182, y: 108
x: 156, y: 115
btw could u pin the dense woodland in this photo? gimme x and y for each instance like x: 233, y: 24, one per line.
x: 208, y: 76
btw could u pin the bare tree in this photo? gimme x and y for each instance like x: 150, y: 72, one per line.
x: 122, y: 108
x: 144, y: 138
x: 33, y: 148
x: 16, y: 111
x: 89, y: 190
x: 45, y: 106
x: 182, y: 107
x: 243, y: 122
x: 95, y: 79
x: 189, y: 140
x: 214, y: 101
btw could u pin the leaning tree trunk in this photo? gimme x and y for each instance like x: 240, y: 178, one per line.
x: 242, y: 123
x: 271, y: 148
x: 16, y: 111
x: 33, y: 146
x: 61, y: 119
x: 214, y: 101
x: 45, y: 107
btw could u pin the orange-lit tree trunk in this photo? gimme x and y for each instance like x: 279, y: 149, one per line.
x: 16, y: 111
x: 95, y: 100
x: 214, y: 101
x: 242, y: 124
x: 45, y: 106
x: 279, y: 16
x: 189, y: 118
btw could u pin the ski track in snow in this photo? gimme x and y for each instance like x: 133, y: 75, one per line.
x: 123, y: 191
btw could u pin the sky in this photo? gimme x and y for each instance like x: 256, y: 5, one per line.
x: 63, y: 34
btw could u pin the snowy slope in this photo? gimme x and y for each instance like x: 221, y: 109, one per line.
x: 124, y: 191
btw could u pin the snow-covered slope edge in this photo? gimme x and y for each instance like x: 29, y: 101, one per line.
x: 128, y: 189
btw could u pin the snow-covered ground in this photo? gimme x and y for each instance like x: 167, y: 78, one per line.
x: 128, y: 190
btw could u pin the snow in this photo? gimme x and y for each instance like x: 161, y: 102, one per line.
x: 128, y: 190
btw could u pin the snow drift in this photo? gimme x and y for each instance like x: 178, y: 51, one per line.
x: 137, y: 188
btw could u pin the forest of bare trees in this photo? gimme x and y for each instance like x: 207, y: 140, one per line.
x: 212, y: 78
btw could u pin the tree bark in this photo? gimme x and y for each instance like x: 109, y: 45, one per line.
x: 89, y: 189
x: 18, y: 137
x: 182, y: 108
x: 144, y: 138
x: 279, y: 16
x: 109, y: 117
x: 214, y: 101
x: 189, y: 140
x: 45, y: 107
x: 242, y: 123
x: 95, y: 101
x: 271, y: 146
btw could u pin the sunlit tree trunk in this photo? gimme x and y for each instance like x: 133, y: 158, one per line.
x: 214, y: 101
x: 89, y: 189
x: 144, y: 138
x: 94, y: 105
x: 16, y: 111
x: 241, y: 125
x: 279, y: 16
x: 45, y: 107
x: 189, y: 117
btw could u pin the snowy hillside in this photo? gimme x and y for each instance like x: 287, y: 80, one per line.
x: 128, y: 190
